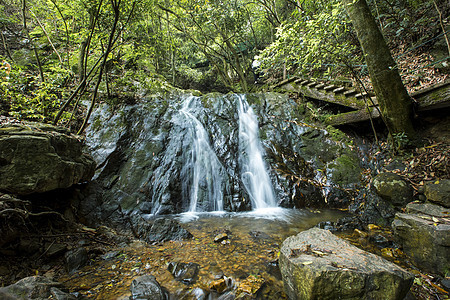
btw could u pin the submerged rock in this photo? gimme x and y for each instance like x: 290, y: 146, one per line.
x: 315, y: 264
x: 34, y: 287
x: 162, y: 230
x: 424, y: 233
x: 37, y: 158
x: 187, y: 273
x: 146, y: 287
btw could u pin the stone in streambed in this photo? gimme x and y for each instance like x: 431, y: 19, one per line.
x: 34, y: 287
x: 75, y: 259
x: 392, y: 188
x: 220, y: 237
x: 162, y: 230
x: 146, y: 287
x: 315, y: 264
x: 424, y: 233
x: 186, y: 273
x: 438, y: 192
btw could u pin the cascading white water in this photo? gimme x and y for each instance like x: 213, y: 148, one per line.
x: 253, y: 169
x: 203, y: 169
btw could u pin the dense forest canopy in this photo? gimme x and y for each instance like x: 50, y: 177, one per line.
x: 76, y: 50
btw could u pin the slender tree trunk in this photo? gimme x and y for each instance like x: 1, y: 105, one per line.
x: 393, y: 99
x: 8, y: 53
x: 442, y: 25
x: 48, y: 37
x: 25, y: 28
x: 116, y: 7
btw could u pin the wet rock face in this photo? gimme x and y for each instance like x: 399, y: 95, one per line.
x: 37, y: 158
x: 145, y: 155
x: 315, y: 264
x: 424, y: 233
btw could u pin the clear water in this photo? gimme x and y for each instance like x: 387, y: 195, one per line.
x: 252, y: 247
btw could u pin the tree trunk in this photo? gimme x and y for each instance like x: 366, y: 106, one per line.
x: 394, y: 101
x: 25, y: 28
x: 116, y: 8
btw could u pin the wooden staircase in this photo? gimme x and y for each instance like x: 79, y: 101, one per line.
x: 433, y: 97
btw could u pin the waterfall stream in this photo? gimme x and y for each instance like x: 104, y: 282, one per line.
x: 202, y: 170
x: 254, y: 173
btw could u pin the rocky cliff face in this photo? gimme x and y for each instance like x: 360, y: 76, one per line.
x: 156, y: 156
x: 36, y: 158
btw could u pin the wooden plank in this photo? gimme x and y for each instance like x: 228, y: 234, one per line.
x: 436, y: 98
x: 331, y: 98
x: 322, y: 85
x: 283, y: 82
x: 349, y: 93
x: 352, y: 117
x: 339, y: 90
x: 440, y: 85
x: 311, y: 84
x: 330, y: 87
x: 361, y: 95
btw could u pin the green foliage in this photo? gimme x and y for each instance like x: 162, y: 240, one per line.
x: 317, y: 39
x: 24, y: 97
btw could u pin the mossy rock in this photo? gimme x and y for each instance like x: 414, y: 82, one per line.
x: 346, y: 170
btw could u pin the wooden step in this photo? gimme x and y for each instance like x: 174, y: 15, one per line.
x: 361, y: 95
x: 353, y: 117
x: 330, y: 87
x: 320, y: 86
x: 349, y: 93
x: 339, y: 90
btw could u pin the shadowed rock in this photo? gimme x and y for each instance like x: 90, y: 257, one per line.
x: 424, y: 233
x: 37, y: 158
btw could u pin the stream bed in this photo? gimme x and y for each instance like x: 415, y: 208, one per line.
x: 245, y: 258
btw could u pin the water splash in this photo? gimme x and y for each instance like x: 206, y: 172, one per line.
x: 254, y: 173
x: 202, y: 171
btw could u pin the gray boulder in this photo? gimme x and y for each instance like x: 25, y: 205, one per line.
x: 315, y: 264
x: 438, y: 192
x: 146, y: 287
x: 424, y: 233
x: 392, y: 188
x: 36, y: 158
x: 162, y: 230
x: 34, y: 287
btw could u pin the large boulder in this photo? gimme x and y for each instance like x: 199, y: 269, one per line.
x: 36, y: 158
x: 392, y: 188
x: 424, y: 233
x: 438, y: 192
x: 34, y: 287
x: 315, y: 264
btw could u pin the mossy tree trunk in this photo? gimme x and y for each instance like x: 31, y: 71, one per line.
x: 394, y: 101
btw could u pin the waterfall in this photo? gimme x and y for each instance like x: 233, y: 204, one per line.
x: 202, y: 171
x: 254, y: 173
